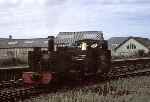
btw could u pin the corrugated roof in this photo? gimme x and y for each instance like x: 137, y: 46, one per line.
x: 71, y: 37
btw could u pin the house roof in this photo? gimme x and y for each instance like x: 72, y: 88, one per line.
x: 143, y: 41
x: 22, y: 43
x: 115, y: 41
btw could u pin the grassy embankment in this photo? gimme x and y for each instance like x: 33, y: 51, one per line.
x: 123, y: 90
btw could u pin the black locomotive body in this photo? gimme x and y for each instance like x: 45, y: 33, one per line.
x: 89, y: 57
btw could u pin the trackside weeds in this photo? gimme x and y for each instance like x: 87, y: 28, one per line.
x: 135, y: 89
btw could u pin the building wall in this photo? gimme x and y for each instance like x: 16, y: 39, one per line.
x: 112, y: 48
x: 19, y: 53
x: 131, y: 47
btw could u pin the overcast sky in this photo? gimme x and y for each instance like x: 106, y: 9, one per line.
x: 41, y: 18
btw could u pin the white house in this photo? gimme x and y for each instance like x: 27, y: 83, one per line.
x: 129, y: 46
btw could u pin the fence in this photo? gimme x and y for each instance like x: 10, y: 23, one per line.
x: 12, y: 73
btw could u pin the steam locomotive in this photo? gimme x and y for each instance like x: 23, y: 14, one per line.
x: 88, y: 57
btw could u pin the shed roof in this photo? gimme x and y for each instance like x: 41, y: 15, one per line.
x: 71, y: 37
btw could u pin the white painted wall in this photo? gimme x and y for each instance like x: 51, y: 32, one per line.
x: 20, y: 53
x: 123, y: 51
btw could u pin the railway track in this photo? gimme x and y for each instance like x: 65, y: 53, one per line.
x: 13, y: 91
x: 130, y: 74
x: 11, y: 94
x: 16, y: 93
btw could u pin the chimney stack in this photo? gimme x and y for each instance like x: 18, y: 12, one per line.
x: 10, y: 37
x: 51, y: 43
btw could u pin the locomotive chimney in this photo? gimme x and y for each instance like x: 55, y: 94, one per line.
x: 51, y: 43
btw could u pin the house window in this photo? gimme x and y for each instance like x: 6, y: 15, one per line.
x: 45, y: 42
x: 134, y: 47
x: 12, y: 43
x: 115, y: 45
x: 131, y: 46
x: 28, y: 42
x: 128, y: 47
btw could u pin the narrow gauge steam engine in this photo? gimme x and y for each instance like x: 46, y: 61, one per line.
x: 92, y: 57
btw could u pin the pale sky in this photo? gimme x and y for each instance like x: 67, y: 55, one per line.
x: 42, y: 18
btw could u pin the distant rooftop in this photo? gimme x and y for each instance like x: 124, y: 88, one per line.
x: 67, y: 38
x: 115, y: 42
x: 22, y: 43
